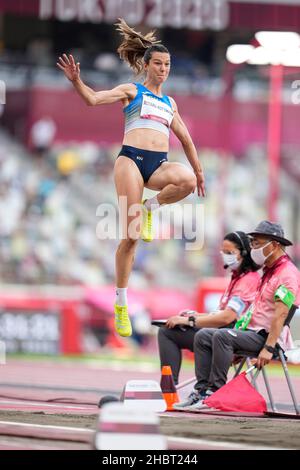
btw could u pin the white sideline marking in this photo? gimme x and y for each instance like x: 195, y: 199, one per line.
x: 49, y: 405
x: 47, y: 426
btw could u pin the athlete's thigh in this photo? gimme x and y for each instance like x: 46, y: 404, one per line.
x: 129, y: 185
x: 169, y: 173
x: 128, y: 180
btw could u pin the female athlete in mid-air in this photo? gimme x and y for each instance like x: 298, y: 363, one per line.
x: 143, y: 159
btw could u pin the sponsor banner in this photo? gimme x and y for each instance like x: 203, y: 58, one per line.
x: 191, y: 14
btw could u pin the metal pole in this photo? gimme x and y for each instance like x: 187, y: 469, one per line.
x: 274, y: 139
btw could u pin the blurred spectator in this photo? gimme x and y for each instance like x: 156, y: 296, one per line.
x: 107, y: 62
x: 39, y: 51
x: 67, y: 162
x: 48, y: 223
x: 42, y: 135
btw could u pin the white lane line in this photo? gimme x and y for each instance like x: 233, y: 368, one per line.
x: 49, y: 405
x: 119, y: 366
x: 228, y: 445
x: 47, y: 426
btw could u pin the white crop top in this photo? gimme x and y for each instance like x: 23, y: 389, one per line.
x: 148, y: 111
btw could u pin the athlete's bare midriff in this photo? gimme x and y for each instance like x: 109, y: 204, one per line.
x: 147, y: 139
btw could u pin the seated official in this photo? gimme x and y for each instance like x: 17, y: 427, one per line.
x: 180, y: 330
x: 262, y: 326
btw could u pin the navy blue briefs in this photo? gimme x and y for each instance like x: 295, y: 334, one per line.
x: 147, y: 161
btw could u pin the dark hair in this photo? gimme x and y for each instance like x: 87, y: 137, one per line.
x: 137, y: 49
x: 241, y: 241
x: 154, y: 48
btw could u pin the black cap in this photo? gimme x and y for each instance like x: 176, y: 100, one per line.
x: 271, y: 230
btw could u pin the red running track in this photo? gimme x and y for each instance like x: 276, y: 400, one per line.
x: 51, y: 387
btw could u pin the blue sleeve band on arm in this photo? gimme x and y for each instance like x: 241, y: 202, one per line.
x: 236, y: 304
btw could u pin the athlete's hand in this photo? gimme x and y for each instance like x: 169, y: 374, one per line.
x: 68, y: 66
x: 200, y: 183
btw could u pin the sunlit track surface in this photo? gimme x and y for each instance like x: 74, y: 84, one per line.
x: 70, y: 382
x: 45, y: 405
x: 86, y: 382
x: 42, y: 437
x: 36, y: 444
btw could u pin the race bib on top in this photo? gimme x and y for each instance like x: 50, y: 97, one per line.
x: 156, y: 110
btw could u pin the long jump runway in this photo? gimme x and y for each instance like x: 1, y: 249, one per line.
x: 46, y: 405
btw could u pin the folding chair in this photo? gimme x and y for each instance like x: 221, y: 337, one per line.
x: 246, y: 356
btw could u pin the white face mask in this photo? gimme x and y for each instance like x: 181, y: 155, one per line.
x: 230, y: 261
x: 257, y: 254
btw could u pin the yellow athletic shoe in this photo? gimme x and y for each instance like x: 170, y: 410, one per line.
x: 122, y: 321
x: 147, y: 234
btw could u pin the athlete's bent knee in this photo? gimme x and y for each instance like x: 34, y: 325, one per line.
x: 189, y: 184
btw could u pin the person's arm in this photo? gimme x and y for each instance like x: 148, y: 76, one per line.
x: 182, y: 133
x: 281, y: 312
x: 284, y: 298
x: 206, y: 320
x: 90, y: 96
x: 216, y: 320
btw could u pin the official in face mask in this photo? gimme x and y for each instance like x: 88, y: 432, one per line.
x: 260, y: 328
x: 267, y: 243
x: 180, y: 330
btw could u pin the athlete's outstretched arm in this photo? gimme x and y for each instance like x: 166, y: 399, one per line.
x: 91, y: 97
x: 182, y: 133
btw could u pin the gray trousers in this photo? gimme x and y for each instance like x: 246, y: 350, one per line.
x: 171, y: 341
x: 214, y: 350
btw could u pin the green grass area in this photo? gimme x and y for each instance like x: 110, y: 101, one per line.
x: 104, y: 358
x: 82, y: 358
x: 275, y: 369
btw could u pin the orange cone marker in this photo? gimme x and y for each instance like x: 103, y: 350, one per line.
x: 168, y: 387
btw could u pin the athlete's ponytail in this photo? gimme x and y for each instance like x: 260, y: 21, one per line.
x: 136, y: 48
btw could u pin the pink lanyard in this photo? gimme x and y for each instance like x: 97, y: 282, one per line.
x: 268, y: 274
x: 225, y: 297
